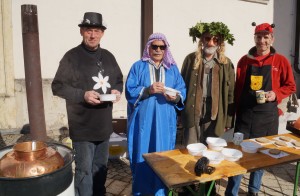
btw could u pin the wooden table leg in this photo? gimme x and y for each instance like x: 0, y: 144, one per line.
x: 296, y: 178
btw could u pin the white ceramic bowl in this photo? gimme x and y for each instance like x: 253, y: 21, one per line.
x: 250, y: 147
x: 213, y: 156
x: 171, y: 91
x: 196, y: 149
x: 215, y: 143
x: 108, y: 97
x: 231, y: 154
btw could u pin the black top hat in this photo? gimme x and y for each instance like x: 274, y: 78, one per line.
x: 92, y: 19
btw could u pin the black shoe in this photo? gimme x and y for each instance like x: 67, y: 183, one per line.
x: 252, y: 194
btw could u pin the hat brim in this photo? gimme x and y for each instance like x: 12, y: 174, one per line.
x: 263, y: 31
x: 91, y: 25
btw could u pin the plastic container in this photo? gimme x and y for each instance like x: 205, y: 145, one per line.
x: 117, y: 146
x: 67, y: 141
x: 214, y: 157
x: 196, y: 149
x: 215, y: 143
x: 171, y: 91
x: 250, y: 147
x: 108, y: 97
x: 232, y: 154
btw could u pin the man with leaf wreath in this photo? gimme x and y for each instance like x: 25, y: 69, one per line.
x: 261, y: 69
x: 209, y: 77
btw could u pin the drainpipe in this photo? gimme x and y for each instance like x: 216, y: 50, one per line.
x: 33, y: 77
x: 297, y: 32
x: 147, y: 22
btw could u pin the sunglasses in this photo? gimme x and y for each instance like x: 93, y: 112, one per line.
x: 155, y: 47
x: 215, y: 39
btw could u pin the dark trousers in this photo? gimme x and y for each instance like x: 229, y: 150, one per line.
x: 90, y: 167
x: 207, y: 128
x: 253, y: 124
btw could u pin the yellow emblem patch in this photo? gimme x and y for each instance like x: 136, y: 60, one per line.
x: 256, y: 82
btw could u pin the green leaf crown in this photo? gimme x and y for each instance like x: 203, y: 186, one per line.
x: 214, y: 28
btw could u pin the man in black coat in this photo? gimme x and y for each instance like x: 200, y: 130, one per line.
x: 84, y: 74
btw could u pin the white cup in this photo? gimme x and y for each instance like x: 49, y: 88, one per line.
x: 238, y: 138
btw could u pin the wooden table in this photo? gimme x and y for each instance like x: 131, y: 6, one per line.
x: 176, y: 167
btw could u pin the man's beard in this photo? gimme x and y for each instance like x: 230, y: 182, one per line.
x: 210, y: 50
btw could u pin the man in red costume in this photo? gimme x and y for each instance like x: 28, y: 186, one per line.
x: 261, y: 69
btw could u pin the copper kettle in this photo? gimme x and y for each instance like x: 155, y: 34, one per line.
x: 29, y: 159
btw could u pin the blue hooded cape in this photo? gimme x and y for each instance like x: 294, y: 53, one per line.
x: 151, y: 123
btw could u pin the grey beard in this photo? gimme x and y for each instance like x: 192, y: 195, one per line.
x: 210, y: 50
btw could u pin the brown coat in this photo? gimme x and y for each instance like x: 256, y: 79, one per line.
x: 222, y: 94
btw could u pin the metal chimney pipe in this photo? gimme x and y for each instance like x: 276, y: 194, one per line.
x: 33, y: 79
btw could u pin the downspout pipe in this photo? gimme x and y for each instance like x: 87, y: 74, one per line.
x: 297, y: 34
x: 147, y: 22
x: 33, y: 79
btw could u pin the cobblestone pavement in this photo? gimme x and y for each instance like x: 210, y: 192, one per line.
x: 277, y: 180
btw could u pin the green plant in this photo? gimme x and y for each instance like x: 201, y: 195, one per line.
x: 214, y: 28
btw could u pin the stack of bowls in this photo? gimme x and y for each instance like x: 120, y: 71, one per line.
x: 215, y: 143
x: 214, y: 157
x: 196, y: 149
x: 171, y: 91
x: 231, y: 154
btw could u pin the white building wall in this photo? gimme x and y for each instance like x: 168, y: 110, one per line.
x: 59, y: 32
x: 237, y: 15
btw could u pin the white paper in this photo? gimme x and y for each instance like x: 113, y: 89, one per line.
x: 282, y: 154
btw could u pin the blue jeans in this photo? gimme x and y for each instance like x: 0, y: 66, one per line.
x: 90, y: 167
x: 234, y: 182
